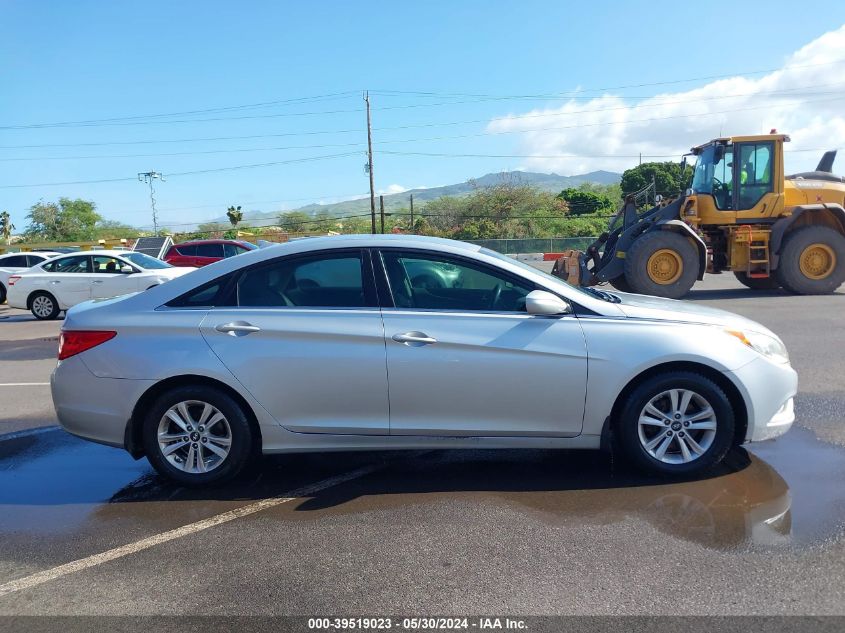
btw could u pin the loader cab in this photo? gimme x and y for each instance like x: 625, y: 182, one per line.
x: 739, y: 179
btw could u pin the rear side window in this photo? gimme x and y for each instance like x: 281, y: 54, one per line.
x: 33, y: 260
x: 15, y: 261
x: 76, y: 264
x: 331, y: 281
x: 209, y: 250
x: 188, y: 250
x: 209, y: 295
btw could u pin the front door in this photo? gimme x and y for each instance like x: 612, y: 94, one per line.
x: 465, y: 359
x: 107, y: 280
x: 305, y: 337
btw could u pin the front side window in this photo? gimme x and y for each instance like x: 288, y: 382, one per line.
x: 755, y: 175
x: 186, y: 250
x: 76, y: 264
x: 106, y: 265
x: 436, y: 282
x: 230, y: 250
x: 715, y: 176
x: 332, y: 281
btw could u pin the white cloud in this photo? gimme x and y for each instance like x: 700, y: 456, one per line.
x: 803, y: 99
x: 391, y: 189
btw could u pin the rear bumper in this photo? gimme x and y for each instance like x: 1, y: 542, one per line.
x: 97, y: 409
x: 768, y: 390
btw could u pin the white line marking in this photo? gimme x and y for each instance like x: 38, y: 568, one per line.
x: 24, y: 384
x: 39, y: 578
x: 28, y: 432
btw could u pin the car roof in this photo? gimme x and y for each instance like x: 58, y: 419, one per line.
x: 97, y: 252
x: 220, y: 241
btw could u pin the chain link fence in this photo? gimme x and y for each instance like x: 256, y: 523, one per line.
x: 535, y: 245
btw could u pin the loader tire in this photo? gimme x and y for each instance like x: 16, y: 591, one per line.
x: 757, y: 283
x: 661, y: 263
x: 812, y: 261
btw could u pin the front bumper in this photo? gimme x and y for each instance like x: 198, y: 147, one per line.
x: 97, y: 409
x: 768, y: 390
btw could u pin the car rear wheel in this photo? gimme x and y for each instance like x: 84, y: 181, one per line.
x: 678, y: 423
x: 197, y: 435
x: 2, y: 293
x: 44, y: 306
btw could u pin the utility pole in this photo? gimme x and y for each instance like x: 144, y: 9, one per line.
x: 381, y: 206
x: 412, y: 213
x: 370, y: 164
x: 148, y: 177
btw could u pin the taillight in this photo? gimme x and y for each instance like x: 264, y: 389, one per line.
x: 13, y: 279
x: 73, y: 342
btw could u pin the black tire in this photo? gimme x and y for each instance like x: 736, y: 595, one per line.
x: 2, y: 294
x: 621, y: 284
x: 50, y: 310
x: 757, y: 283
x: 789, y: 271
x: 243, y: 439
x: 637, y: 264
x: 627, y: 424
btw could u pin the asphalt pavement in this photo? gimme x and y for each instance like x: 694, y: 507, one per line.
x: 85, y: 529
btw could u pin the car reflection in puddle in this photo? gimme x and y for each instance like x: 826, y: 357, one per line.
x: 787, y: 492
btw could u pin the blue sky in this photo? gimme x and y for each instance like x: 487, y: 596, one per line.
x: 82, y: 61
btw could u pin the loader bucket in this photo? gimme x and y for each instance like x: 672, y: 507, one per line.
x: 568, y: 267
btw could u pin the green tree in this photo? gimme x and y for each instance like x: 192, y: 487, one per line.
x: 6, y: 226
x: 235, y: 215
x: 584, y: 202
x: 65, y: 221
x: 666, y: 176
x: 294, y: 221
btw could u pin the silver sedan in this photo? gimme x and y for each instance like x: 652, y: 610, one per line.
x: 402, y: 342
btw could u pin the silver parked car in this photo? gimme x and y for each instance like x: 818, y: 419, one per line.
x: 328, y: 344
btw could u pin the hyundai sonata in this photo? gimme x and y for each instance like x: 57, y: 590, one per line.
x: 346, y: 343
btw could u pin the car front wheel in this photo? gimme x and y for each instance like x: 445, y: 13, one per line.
x: 197, y: 435
x: 679, y: 423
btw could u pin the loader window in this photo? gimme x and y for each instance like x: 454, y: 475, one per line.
x: 715, y: 177
x: 755, y: 173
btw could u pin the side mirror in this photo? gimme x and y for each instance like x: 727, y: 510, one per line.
x: 127, y: 270
x: 542, y: 302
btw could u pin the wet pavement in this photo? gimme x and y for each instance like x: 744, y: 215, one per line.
x: 523, y: 532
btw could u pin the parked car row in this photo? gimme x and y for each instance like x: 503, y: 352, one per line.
x: 28, y: 281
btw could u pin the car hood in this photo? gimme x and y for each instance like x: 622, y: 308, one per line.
x: 659, y: 309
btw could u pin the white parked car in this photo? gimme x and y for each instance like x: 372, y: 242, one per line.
x: 60, y: 283
x: 12, y: 263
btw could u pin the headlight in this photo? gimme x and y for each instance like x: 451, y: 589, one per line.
x: 769, y: 346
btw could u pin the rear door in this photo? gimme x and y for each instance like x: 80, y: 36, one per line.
x: 68, y: 279
x: 304, y: 336
x: 464, y: 358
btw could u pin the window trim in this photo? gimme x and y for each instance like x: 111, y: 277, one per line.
x: 226, y: 298
x: 383, y: 281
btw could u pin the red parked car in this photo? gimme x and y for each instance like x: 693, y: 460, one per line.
x: 203, y: 252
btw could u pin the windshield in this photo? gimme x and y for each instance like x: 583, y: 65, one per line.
x: 714, y: 178
x: 145, y: 261
x: 551, y: 278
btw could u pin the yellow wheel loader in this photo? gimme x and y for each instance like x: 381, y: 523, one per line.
x: 740, y: 214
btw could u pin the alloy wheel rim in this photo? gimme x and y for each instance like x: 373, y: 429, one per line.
x: 42, y: 306
x: 677, y: 426
x: 817, y: 261
x: 194, y: 436
x: 665, y: 266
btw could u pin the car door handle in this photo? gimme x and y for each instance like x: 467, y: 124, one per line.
x: 55, y: 282
x: 414, y: 339
x: 237, y: 328
x: 96, y: 281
